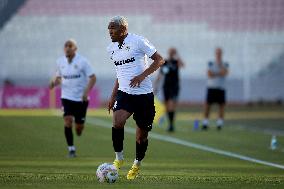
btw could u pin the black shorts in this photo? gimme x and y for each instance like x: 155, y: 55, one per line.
x: 142, y: 106
x: 171, y: 92
x: 216, y: 96
x: 76, y: 109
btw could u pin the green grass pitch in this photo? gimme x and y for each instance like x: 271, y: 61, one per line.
x: 33, y: 153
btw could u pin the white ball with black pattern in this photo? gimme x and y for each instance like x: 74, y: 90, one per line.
x: 106, y: 172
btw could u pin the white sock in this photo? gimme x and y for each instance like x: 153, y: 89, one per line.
x: 71, y: 148
x: 205, y: 122
x: 220, y: 122
x: 119, y: 155
x: 136, y: 162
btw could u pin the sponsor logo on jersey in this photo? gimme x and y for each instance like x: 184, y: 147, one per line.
x: 75, y: 76
x: 121, y: 62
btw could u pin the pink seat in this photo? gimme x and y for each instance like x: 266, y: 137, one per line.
x: 222, y: 15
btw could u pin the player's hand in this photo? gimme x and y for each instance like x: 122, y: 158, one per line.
x: 85, y: 97
x: 136, y: 81
x: 54, y: 82
x: 51, y: 84
x: 211, y: 74
x: 111, y: 104
x: 223, y: 72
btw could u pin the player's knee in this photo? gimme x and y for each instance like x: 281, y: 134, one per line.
x: 141, y: 137
x: 68, y: 125
x: 68, y: 121
x: 79, y: 129
x: 118, y: 123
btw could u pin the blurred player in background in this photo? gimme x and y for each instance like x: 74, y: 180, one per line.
x: 216, y: 93
x: 77, y: 78
x: 170, y: 73
x: 132, y: 92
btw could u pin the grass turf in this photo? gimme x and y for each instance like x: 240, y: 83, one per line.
x: 33, y: 155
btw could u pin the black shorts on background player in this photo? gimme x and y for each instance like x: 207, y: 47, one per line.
x: 216, y: 96
x: 142, y: 107
x: 171, y: 92
x: 76, y: 109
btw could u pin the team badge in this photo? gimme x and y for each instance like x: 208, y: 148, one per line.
x: 127, y: 48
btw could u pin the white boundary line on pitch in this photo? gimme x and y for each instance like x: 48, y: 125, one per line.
x: 106, y: 124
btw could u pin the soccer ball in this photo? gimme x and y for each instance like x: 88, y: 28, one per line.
x: 106, y: 172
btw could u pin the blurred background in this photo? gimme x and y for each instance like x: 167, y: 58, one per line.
x: 247, y: 153
x: 251, y: 33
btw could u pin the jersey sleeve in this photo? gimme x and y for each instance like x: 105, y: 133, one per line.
x: 110, y: 51
x: 146, y: 47
x: 88, y: 69
x: 58, y: 71
x: 210, y: 65
x: 226, y: 65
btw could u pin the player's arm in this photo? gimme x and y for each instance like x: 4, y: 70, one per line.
x: 224, y: 71
x: 113, y: 95
x: 158, y: 62
x: 214, y: 74
x: 57, y: 79
x: 91, y: 83
x: 180, y: 63
x: 55, y: 82
x: 211, y: 74
x: 157, y: 81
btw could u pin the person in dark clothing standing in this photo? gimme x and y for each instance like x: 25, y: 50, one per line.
x: 170, y: 74
x: 217, y: 72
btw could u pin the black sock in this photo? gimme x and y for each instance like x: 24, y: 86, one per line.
x: 141, y: 150
x: 69, y: 136
x: 171, y: 116
x: 117, y: 139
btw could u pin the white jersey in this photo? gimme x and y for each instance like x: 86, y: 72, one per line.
x: 217, y: 82
x: 74, y: 76
x: 130, y: 60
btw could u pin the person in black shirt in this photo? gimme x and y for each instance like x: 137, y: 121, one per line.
x: 170, y: 73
